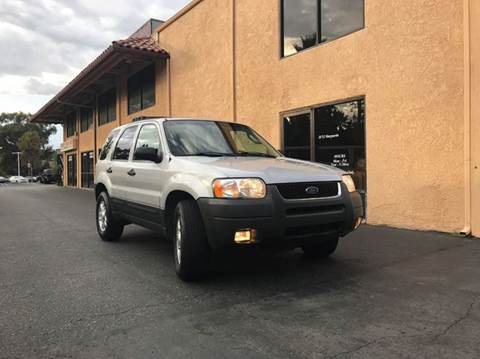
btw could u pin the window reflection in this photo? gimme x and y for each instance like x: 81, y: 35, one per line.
x: 148, y: 137
x: 296, y: 130
x: 299, y: 25
x: 309, y: 22
x: 124, y: 144
x: 340, y: 17
x: 340, y: 138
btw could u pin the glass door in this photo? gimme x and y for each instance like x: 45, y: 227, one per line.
x: 72, y: 170
x: 87, y: 170
x: 297, y: 133
x: 340, y: 139
x: 332, y: 134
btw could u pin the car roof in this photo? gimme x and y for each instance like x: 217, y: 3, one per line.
x: 168, y: 119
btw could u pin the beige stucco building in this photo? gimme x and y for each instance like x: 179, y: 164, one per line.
x: 389, y: 90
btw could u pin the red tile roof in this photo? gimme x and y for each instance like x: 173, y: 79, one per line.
x: 143, y: 44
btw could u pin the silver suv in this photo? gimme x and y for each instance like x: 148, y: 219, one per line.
x: 212, y: 186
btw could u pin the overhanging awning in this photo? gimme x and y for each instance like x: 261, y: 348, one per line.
x: 117, y: 59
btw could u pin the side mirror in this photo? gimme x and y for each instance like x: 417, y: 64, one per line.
x: 148, y: 154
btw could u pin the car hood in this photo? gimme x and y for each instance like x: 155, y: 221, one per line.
x: 271, y: 170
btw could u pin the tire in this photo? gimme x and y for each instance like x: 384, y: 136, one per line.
x: 321, y: 250
x: 190, y: 246
x: 109, y: 228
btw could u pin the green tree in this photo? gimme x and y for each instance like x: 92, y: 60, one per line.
x: 31, y: 147
x: 13, y: 126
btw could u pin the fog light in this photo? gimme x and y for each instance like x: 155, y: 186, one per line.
x: 246, y: 236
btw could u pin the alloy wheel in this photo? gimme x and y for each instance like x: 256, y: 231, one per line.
x: 102, y: 216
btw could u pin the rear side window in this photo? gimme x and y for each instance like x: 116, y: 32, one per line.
x: 124, y: 144
x: 108, y: 144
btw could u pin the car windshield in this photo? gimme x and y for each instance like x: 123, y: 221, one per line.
x: 215, y: 139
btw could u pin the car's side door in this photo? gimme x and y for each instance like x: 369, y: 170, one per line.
x: 118, y: 171
x: 146, y: 182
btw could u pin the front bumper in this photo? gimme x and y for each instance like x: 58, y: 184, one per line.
x: 280, y: 222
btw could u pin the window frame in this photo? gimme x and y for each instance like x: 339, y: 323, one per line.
x: 111, y: 96
x: 319, y: 29
x: 89, y: 121
x: 113, y: 136
x: 138, y: 79
x: 313, y: 158
x: 139, y: 131
x: 305, y: 111
x: 311, y: 110
x: 89, y: 176
x: 119, y: 137
x: 71, y: 117
x: 74, y: 176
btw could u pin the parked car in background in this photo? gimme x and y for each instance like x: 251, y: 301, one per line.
x: 3, y: 179
x: 216, y: 186
x: 47, y: 177
x: 30, y: 179
x: 18, y: 179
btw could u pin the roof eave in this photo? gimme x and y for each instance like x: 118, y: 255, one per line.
x: 111, y: 57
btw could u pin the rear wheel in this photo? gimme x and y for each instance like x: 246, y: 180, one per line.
x: 190, y: 246
x: 320, y: 250
x: 109, y: 228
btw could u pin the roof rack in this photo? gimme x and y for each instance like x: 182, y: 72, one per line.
x: 144, y: 118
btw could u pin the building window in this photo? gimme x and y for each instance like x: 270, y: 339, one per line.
x: 71, y: 124
x: 336, y: 133
x: 107, y: 107
x: 124, y: 144
x: 72, y: 170
x: 87, y: 170
x: 86, y: 119
x: 141, y: 90
x: 306, y: 23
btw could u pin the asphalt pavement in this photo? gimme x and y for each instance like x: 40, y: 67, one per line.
x: 385, y: 293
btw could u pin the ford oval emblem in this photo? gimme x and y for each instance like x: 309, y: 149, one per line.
x: 312, y: 190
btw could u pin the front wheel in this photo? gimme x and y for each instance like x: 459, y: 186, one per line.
x: 190, y: 246
x: 108, y: 227
x: 320, y: 250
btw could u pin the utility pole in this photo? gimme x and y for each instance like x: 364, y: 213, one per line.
x: 18, y: 160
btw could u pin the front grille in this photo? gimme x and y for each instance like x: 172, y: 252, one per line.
x: 308, y: 190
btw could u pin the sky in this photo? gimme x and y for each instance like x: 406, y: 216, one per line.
x: 44, y: 44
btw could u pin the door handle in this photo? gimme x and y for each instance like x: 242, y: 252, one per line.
x: 109, y: 170
x: 131, y: 172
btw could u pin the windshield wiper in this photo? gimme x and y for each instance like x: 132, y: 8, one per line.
x: 211, y: 154
x: 255, y: 154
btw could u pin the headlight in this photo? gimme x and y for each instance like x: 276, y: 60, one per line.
x: 239, y: 188
x: 348, y: 181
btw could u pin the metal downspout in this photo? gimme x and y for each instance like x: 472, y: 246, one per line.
x: 467, y: 229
